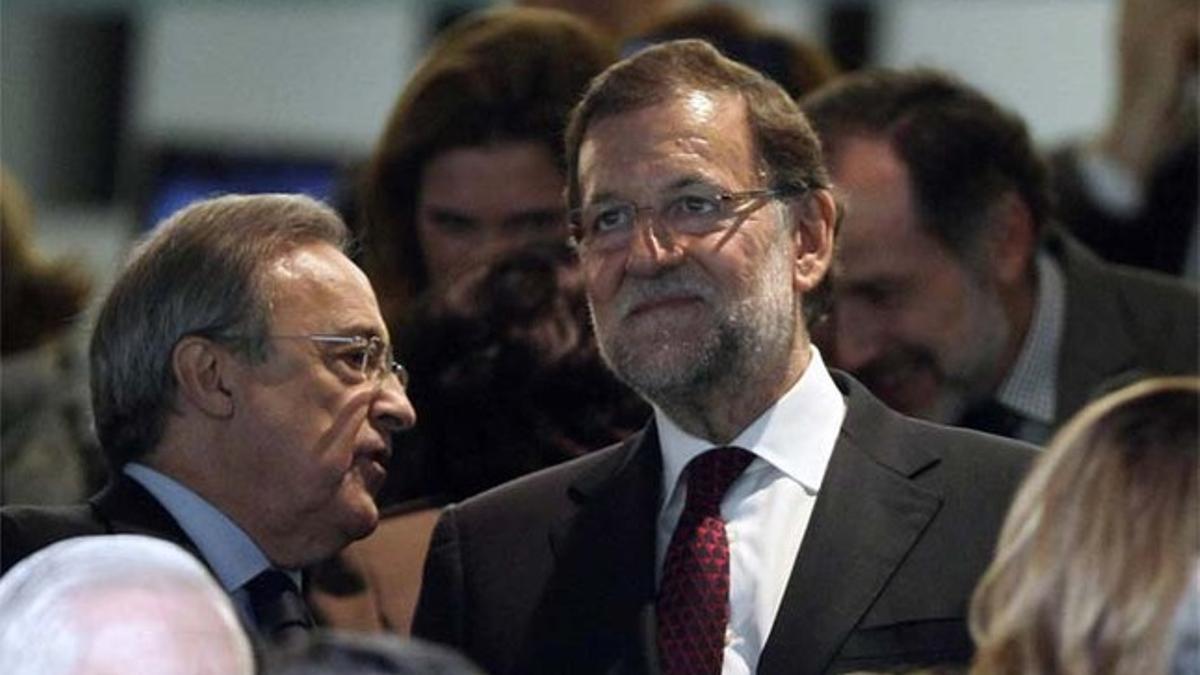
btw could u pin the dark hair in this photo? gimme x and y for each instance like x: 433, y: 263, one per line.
x: 962, y: 150
x: 199, y: 272
x: 795, y: 64
x: 345, y: 653
x: 507, y: 376
x: 510, y: 74
x: 786, y: 144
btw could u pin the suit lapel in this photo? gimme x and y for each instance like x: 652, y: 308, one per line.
x: 868, y: 515
x: 597, y: 610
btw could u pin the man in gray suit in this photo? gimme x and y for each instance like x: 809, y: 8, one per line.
x: 773, y: 517
x: 956, y: 300
x: 245, y: 396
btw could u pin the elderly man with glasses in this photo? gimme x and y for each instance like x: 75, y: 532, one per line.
x: 773, y: 517
x: 245, y: 396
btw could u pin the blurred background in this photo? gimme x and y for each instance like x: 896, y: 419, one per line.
x: 113, y: 113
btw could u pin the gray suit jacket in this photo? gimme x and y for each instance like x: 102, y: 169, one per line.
x: 1122, y: 323
x: 554, y: 573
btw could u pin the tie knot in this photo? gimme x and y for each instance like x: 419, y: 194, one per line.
x: 710, y: 475
x: 278, y: 608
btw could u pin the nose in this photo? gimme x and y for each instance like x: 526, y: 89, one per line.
x: 391, y: 411
x: 651, y: 248
x: 858, y: 335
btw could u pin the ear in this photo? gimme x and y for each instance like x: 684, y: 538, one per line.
x: 201, y: 370
x: 814, y: 220
x: 1013, y: 241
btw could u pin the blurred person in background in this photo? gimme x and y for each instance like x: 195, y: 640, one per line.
x: 471, y: 157
x: 619, y: 18
x: 508, y: 379
x: 796, y: 64
x: 956, y: 299
x: 118, y: 604
x: 343, y: 653
x: 245, y: 397
x: 1130, y: 193
x: 48, y: 453
x: 1097, y: 571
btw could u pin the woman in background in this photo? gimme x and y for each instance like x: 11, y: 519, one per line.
x: 471, y: 157
x: 1096, y: 570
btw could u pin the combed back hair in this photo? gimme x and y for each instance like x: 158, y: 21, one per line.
x: 501, y: 75
x: 787, y: 147
x: 1101, y: 543
x: 200, y: 272
x: 963, y: 151
x: 45, y: 624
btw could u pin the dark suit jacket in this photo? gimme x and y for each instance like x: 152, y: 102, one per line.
x: 554, y: 573
x: 1121, y: 323
x: 122, y: 507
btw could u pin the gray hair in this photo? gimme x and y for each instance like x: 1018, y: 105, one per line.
x: 198, y: 273
x: 48, y: 606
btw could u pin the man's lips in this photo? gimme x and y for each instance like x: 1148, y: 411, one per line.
x: 664, y: 303
x: 372, y: 467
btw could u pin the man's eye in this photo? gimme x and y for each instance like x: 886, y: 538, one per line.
x: 354, y: 358
x: 611, y: 218
x: 693, y: 205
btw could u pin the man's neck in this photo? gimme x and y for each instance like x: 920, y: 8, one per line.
x: 721, y: 411
x: 1018, y: 302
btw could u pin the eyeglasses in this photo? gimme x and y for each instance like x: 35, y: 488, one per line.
x: 369, y: 356
x: 608, y: 226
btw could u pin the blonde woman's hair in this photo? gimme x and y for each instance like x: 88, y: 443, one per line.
x: 1098, y: 548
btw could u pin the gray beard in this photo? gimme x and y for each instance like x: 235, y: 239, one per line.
x: 751, y: 339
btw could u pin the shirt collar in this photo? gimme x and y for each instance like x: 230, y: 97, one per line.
x: 795, y: 435
x: 1030, y: 388
x: 229, y: 551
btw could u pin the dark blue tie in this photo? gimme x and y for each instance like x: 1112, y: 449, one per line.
x: 280, y: 613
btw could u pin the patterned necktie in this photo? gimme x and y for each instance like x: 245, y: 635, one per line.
x: 693, y: 599
x: 280, y: 614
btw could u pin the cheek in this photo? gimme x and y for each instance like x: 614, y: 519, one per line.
x: 602, y: 280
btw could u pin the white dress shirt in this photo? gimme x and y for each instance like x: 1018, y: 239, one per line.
x: 767, y: 508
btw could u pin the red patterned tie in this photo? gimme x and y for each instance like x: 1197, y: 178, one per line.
x: 693, y: 599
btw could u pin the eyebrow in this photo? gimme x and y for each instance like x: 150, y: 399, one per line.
x: 447, y: 213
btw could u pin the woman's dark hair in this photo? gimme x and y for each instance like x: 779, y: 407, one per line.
x: 510, y: 74
x: 506, y: 377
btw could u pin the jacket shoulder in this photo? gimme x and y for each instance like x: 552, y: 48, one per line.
x: 27, y: 529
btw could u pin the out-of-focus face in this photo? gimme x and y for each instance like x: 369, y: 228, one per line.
x: 919, y: 327
x: 685, y: 312
x: 311, y: 433
x: 476, y: 201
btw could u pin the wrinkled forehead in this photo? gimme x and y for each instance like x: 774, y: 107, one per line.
x: 692, y: 134
x: 315, y: 287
